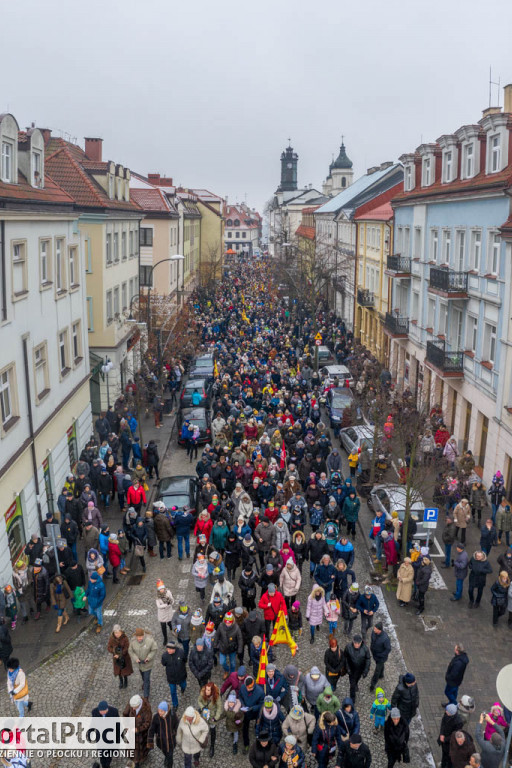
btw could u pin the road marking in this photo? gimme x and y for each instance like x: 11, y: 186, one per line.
x: 110, y: 612
x: 439, y: 552
x: 186, y: 568
x: 137, y: 612
x: 183, y: 583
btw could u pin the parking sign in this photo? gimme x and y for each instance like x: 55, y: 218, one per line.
x: 430, y: 517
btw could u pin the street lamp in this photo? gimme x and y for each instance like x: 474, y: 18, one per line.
x: 105, y: 369
x: 179, y: 257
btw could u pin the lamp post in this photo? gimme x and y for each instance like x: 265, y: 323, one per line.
x: 176, y: 257
x: 105, y: 369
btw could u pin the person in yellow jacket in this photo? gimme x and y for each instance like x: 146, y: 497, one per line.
x: 353, y: 461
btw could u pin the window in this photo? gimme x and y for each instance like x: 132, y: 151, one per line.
x: 237, y: 222
x: 431, y: 312
x: 63, y: 353
x: 489, y: 349
x: 476, y: 250
x: 90, y: 314
x: 460, y: 251
x: 443, y: 315
x: 244, y: 234
x: 19, y: 269
x: 108, y: 252
x: 7, y: 161
x: 60, y: 270
x: 73, y: 267
x: 116, y: 301
x: 434, y: 245
x: 471, y: 333
x: 88, y: 256
x: 146, y: 276
x: 146, y: 236
x: 7, y: 395
x: 76, y: 341
x: 426, y: 167
x: 447, y: 244
x: 493, y: 259
x: 408, y: 178
x: 36, y: 169
x: 455, y: 329
x: 44, y: 262
x: 230, y: 234
x: 109, y: 307
x: 229, y: 223
x: 407, y: 241
x: 124, y: 250
x: 116, y: 247
x: 237, y: 234
x: 124, y: 296
x: 495, y: 153
x: 42, y: 384
x: 468, y: 160
x: 415, y: 305
x: 110, y: 186
x: 448, y: 164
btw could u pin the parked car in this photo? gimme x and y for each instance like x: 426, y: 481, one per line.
x: 202, y: 367
x: 325, y: 355
x: 199, y: 416
x: 393, y: 497
x: 204, y: 388
x: 354, y: 437
x: 338, y: 399
x: 179, y: 491
x: 340, y: 372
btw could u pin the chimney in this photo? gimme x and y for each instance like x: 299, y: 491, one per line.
x: 385, y: 165
x: 166, y: 181
x: 491, y: 111
x: 372, y: 170
x: 507, y: 94
x: 93, y: 149
x: 47, y: 134
x: 154, y: 178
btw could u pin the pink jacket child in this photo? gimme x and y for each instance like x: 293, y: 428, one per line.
x: 332, y: 610
x: 496, y: 713
x: 287, y: 553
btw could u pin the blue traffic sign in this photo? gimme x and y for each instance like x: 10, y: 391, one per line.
x: 431, y: 515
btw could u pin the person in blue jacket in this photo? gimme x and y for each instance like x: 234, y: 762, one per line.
x: 252, y: 697
x: 368, y: 606
x: 348, y: 718
x: 344, y: 550
x: 275, y: 684
x: 325, y: 575
x: 95, y: 594
x: 183, y: 522
x: 104, y: 534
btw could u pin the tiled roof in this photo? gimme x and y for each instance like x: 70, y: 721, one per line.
x: 65, y: 166
x: 480, y: 181
x: 345, y: 198
x: 23, y: 191
x: 150, y: 200
x: 307, y: 232
x: 379, y: 213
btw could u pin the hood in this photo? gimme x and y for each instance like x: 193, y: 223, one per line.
x: 380, y: 690
x: 484, y: 558
x: 313, y: 537
x: 315, y: 589
x: 236, y: 708
x: 297, y: 533
x: 253, y: 616
x: 315, y: 671
x: 347, y: 702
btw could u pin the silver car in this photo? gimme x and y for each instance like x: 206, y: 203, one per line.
x: 353, y: 438
x: 388, y: 498
x: 341, y: 372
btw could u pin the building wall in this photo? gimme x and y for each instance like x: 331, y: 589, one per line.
x: 373, y: 246
x: 212, y: 238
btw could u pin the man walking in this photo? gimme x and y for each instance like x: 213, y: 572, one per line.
x: 449, y: 535
x: 460, y: 568
x: 105, y: 710
x: 357, y: 662
x: 380, y: 648
x: 455, y: 674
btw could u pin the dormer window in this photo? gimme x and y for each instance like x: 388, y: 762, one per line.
x: 408, y: 178
x: 229, y: 222
x: 469, y: 160
x: 237, y: 222
x: 426, y: 178
x: 495, y: 153
x: 110, y: 186
x: 36, y: 170
x: 447, y: 166
x: 7, y: 161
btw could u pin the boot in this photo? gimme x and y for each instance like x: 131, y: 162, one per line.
x: 59, y: 623
x: 65, y: 617
x: 125, y: 682
x: 121, y: 684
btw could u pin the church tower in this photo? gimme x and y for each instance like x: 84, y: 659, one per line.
x: 289, y: 160
x: 340, y: 175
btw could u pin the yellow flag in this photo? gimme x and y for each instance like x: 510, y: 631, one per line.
x: 281, y: 634
x: 262, y: 667
x: 215, y: 369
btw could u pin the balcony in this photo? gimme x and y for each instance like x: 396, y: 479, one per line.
x: 396, y: 326
x: 448, y: 283
x: 447, y: 364
x: 398, y: 265
x: 365, y: 298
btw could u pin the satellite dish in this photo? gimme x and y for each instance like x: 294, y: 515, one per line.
x: 504, y: 685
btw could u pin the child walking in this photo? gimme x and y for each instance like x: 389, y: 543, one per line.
x: 332, y: 612
x: 380, y: 709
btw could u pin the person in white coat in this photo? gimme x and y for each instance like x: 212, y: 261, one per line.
x: 290, y: 580
x: 192, y: 736
x: 165, y: 607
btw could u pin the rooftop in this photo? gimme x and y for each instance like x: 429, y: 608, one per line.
x: 345, y: 198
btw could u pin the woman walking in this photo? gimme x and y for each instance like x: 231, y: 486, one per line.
x: 165, y: 608
x: 17, y: 687
x: 60, y: 593
x: 95, y: 594
x: 139, y: 537
x: 119, y: 645
x: 499, y: 596
x: 209, y: 705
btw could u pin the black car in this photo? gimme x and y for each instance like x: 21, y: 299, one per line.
x: 338, y: 399
x: 203, y: 386
x: 199, y: 416
x: 179, y: 491
x: 203, y: 371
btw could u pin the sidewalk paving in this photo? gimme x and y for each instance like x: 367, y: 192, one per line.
x: 36, y: 641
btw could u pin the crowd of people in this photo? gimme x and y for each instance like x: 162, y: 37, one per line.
x: 276, y: 516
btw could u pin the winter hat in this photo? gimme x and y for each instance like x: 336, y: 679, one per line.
x: 135, y: 701
x: 424, y: 551
x: 384, y: 535
x: 269, y: 567
x: 380, y: 695
x: 468, y: 702
x: 269, y: 702
x: 395, y: 712
x: 160, y: 584
x: 171, y: 644
x: 451, y: 709
x: 139, y: 632
x: 238, y: 610
x: 210, y: 626
x: 247, y: 537
x: 241, y: 671
x: 368, y: 590
x: 199, y: 642
x: 355, y: 738
x: 291, y: 740
x: 354, y: 587
x: 189, y: 712
x: 102, y: 706
x: 163, y: 706
x: 409, y: 678
x: 291, y: 674
x: 197, y: 618
x: 232, y: 697
x: 296, y: 605
x: 113, y: 537
x: 271, y: 588
x: 358, y: 639
x: 296, y: 713
x: 229, y: 618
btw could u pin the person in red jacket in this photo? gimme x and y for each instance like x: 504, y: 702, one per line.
x: 390, y: 553
x: 442, y: 436
x: 272, y: 511
x: 136, y: 496
x: 272, y: 602
x: 204, y: 525
x: 114, y: 555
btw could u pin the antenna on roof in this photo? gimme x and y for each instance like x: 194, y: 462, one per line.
x: 491, y: 83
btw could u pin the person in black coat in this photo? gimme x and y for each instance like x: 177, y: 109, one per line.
x: 406, y: 696
x: 450, y: 723
x: 479, y: 567
x: 263, y: 752
x: 5, y: 643
x: 152, y: 460
x: 380, y: 648
x: 334, y: 661
x: 162, y: 731
x: 396, y: 738
x: 357, y: 662
x: 232, y: 555
x: 34, y: 549
x: 247, y: 583
x: 455, y: 674
x: 105, y: 710
x: 173, y: 659
x: 354, y: 753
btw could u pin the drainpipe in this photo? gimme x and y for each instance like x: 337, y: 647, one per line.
x: 31, y: 428
x: 355, y: 279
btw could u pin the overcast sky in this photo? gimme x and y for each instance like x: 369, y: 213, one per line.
x: 209, y: 92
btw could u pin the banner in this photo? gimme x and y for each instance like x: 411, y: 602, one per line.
x: 281, y: 634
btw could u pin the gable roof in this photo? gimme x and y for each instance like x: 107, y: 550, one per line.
x: 151, y: 200
x: 24, y: 192
x: 348, y: 197
x: 379, y: 208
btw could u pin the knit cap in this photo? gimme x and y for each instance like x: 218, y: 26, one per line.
x: 451, y: 709
x: 135, y: 701
x: 296, y: 713
x: 160, y: 584
x: 163, y: 706
x: 395, y: 712
x: 269, y: 702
